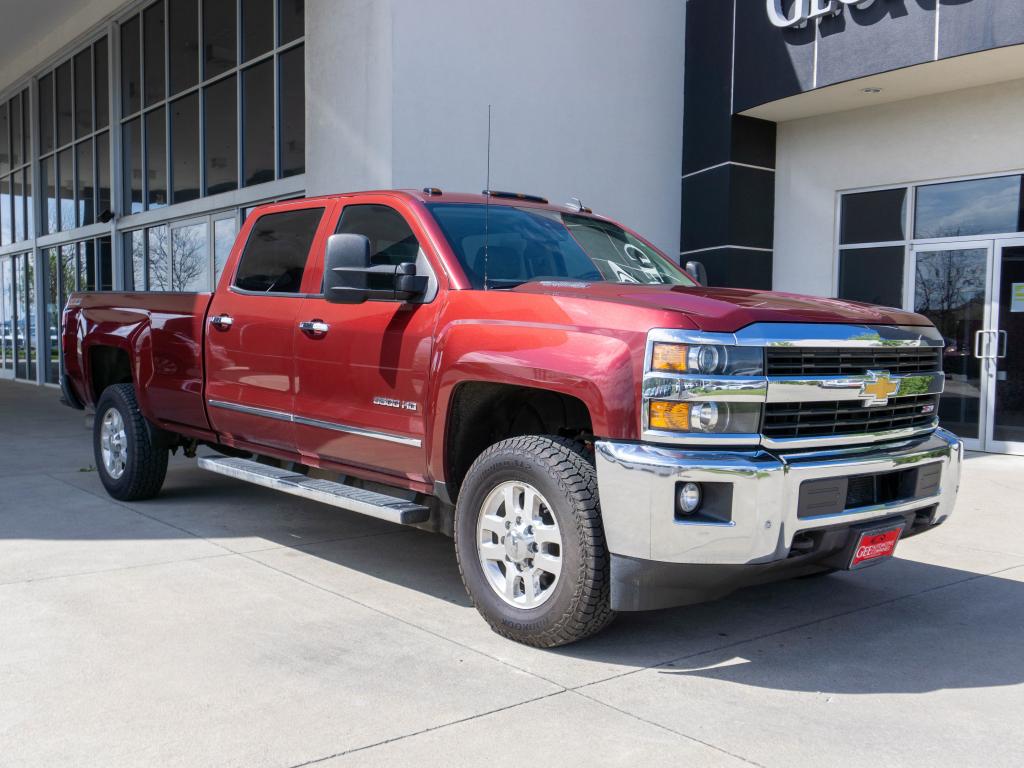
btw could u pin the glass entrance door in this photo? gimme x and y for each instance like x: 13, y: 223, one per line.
x: 1005, y: 354
x: 950, y: 285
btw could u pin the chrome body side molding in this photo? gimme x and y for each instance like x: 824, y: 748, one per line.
x: 269, y: 413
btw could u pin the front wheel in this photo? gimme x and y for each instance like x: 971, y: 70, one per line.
x: 530, y: 543
x: 131, y: 454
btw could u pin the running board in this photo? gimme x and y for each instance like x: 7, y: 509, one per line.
x: 390, y: 508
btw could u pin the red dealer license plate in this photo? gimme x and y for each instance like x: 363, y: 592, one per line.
x: 875, y: 545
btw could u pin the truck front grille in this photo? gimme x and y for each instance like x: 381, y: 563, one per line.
x: 848, y: 417
x: 851, y: 361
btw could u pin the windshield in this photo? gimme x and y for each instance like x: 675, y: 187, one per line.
x: 526, y: 244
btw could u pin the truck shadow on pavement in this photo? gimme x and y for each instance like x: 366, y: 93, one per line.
x: 903, y: 627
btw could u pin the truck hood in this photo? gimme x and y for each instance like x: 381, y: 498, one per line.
x: 726, y: 310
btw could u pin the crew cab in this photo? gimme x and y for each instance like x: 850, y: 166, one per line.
x: 596, y: 429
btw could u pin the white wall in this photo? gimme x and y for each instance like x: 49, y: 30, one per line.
x: 587, y: 100
x: 33, y: 32
x: 963, y: 133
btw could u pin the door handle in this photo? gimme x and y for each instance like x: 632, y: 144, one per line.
x: 981, y: 348
x: 221, y: 322
x: 318, y: 327
x: 1002, y: 343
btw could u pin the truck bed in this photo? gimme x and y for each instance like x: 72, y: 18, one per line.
x: 155, y: 339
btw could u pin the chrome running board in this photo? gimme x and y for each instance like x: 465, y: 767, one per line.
x: 390, y: 508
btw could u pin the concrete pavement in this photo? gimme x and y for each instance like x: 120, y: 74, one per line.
x: 227, y: 625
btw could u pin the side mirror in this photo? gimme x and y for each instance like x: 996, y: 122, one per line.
x: 697, y: 270
x: 350, y: 278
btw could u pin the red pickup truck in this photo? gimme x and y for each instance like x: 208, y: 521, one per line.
x: 597, y: 430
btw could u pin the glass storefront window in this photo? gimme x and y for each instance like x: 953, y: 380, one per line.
x: 224, y: 232
x: 221, y: 134
x: 190, y: 258
x: 135, y: 245
x: 972, y: 207
x: 185, y: 148
x: 73, y: 106
x: 15, y: 170
x: 213, y: 96
x: 873, y: 275
x: 258, y: 124
x: 158, y: 272
x: 8, y: 318
x: 873, y: 217
x: 156, y: 159
x: 292, y: 112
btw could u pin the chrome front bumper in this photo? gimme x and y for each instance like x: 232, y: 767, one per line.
x: 638, y: 483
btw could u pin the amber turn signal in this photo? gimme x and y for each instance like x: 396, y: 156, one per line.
x: 665, y: 414
x: 669, y: 357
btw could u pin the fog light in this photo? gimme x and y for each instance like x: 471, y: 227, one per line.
x: 689, y: 498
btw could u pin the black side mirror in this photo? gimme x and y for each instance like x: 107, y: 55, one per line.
x: 350, y: 278
x: 697, y: 270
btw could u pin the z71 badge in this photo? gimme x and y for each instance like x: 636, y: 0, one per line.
x: 390, y: 402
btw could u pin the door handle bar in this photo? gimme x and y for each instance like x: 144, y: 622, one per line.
x: 1003, y: 343
x: 221, y: 322
x: 314, y: 326
x: 978, y: 344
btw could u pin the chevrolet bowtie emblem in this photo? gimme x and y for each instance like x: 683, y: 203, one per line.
x: 879, y: 387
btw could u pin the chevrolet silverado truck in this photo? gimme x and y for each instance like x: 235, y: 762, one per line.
x: 597, y: 429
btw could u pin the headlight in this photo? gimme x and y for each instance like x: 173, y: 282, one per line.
x: 702, y: 417
x: 709, y: 359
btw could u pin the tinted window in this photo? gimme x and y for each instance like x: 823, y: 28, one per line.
x: 218, y: 37
x: 874, y: 275
x: 63, y: 103
x: 975, y: 207
x: 101, y: 84
x: 103, y: 173
x: 292, y: 16
x: 86, y: 211
x: 258, y: 123
x: 83, y: 93
x: 185, y: 148
x: 130, y: 66
x: 391, y: 239
x: 257, y: 27
x: 131, y: 137
x: 221, y: 136
x: 293, y: 112
x: 17, y: 132
x: 153, y: 51
x: 873, y: 217
x: 275, y: 254
x: 45, y: 115
x: 5, y: 154
x: 156, y: 158
x: 183, y: 40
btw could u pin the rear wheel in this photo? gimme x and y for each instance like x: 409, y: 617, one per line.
x: 530, y: 543
x: 131, y: 454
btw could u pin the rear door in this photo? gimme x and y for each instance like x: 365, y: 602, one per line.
x: 361, y: 378
x: 250, y: 380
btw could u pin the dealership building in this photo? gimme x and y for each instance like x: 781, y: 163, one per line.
x: 869, y: 150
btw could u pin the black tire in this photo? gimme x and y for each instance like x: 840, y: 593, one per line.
x: 579, y: 603
x: 145, y: 450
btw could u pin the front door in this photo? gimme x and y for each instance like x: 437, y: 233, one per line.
x: 361, y: 369
x: 1005, y: 353
x: 950, y: 286
x: 974, y: 294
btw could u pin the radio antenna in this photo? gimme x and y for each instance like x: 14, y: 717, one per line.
x: 487, y: 199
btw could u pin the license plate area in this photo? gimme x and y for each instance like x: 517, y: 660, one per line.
x: 873, y: 545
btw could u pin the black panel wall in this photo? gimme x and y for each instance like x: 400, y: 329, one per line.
x: 736, y: 59
x: 728, y: 160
